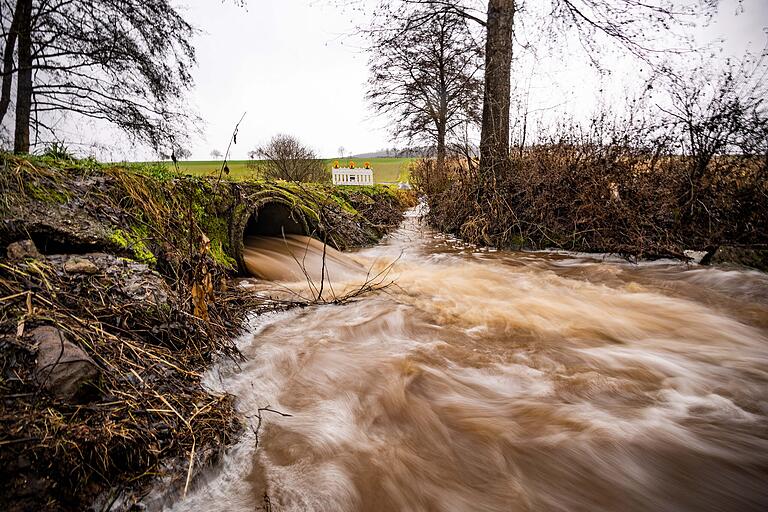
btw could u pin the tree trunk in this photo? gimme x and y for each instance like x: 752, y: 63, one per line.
x: 24, y: 80
x: 442, y: 121
x: 10, y: 45
x: 494, y: 136
x: 441, y: 148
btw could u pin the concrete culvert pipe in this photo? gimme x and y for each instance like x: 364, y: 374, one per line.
x: 272, y: 218
x: 281, y: 243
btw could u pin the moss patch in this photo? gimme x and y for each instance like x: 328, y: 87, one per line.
x: 221, y: 257
x: 134, y: 241
x: 46, y: 194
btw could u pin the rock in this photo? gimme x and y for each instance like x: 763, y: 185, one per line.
x: 136, y: 280
x: 62, y: 367
x: 23, y: 249
x: 57, y: 227
x: 755, y: 257
x: 80, y: 265
x: 142, y: 284
x: 147, y: 287
x: 695, y: 256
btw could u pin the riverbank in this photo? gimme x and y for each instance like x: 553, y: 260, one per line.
x: 586, y: 197
x: 116, y: 293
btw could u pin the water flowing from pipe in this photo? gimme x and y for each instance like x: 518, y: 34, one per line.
x: 491, y: 380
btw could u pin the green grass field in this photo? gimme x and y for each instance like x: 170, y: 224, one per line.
x: 385, y: 170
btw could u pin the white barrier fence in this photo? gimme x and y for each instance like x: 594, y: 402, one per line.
x: 344, y: 176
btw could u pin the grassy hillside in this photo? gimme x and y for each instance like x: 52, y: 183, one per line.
x: 385, y: 170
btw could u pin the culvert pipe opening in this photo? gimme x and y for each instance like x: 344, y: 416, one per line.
x: 277, y: 247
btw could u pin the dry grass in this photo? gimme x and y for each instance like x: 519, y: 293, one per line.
x: 147, y: 408
x: 605, y: 198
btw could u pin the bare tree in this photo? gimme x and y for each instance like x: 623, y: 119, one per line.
x: 126, y: 63
x: 626, y: 22
x: 429, y: 78
x: 342, y: 150
x: 286, y: 158
x: 182, y: 153
x: 721, y: 113
x: 216, y: 154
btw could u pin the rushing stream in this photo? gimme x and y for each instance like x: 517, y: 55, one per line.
x: 484, y: 381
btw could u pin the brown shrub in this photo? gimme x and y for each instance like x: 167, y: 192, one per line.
x: 286, y: 158
x: 428, y: 178
x: 607, y: 198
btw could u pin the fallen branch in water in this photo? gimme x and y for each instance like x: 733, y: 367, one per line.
x: 371, y: 283
x: 267, y: 408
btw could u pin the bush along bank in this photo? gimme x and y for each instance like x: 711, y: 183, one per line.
x: 607, y: 198
x: 115, y: 296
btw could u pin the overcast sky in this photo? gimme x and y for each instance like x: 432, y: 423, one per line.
x: 292, y: 67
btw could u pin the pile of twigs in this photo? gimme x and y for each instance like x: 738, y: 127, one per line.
x: 147, y: 408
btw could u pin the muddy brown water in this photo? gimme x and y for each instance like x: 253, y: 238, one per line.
x: 489, y: 380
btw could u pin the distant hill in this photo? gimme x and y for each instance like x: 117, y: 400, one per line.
x: 394, y: 153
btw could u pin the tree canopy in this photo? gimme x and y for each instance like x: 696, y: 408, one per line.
x: 125, y: 62
x: 429, y: 79
x: 632, y: 24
